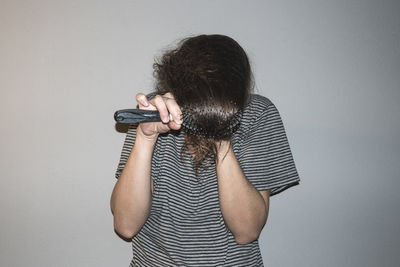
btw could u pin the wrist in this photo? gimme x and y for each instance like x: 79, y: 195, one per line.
x: 146, y: 139
x: 224, y: 147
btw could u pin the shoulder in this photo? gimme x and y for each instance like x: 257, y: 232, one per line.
x: 260, y: 119
x: 258, y: 102
x: 258, y: 108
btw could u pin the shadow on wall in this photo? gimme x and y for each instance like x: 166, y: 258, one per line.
x: 121, y: 127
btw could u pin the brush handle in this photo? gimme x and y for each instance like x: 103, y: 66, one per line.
x: 136, y: 116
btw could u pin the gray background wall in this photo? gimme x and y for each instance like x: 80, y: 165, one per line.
x: 331, y: 67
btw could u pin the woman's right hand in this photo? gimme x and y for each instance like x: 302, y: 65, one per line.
x: 165, y: 104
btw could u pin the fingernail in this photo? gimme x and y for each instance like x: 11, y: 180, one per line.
x: 165, y: 119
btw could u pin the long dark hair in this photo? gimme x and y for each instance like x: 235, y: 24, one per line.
x: 211, y: 79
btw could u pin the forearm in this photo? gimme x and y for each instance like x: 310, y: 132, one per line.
x: 244, y: 209
x: 131, y: 197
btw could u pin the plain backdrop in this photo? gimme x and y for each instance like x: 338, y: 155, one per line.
x: 331, y: 67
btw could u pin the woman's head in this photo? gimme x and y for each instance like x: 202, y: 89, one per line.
x: 210, y: 78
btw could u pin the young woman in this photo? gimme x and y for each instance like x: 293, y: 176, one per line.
x: 194, y: 189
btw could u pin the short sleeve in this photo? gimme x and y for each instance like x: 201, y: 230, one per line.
x: 126, y: 151
x: 265, y: 155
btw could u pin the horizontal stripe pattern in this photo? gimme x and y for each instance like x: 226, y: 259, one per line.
x: 185, y: 226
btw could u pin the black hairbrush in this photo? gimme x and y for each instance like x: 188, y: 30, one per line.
x: 133, y: 116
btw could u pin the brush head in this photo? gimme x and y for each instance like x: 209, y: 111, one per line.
x: 216, y: 129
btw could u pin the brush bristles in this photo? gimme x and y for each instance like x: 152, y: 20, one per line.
x: 192, y: 128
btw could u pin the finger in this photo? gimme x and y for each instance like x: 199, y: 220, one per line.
x: 159, y: 103
x: 169, y: 95
x: 175, y: 126
x: 174, y: 109
x: 142, y: 100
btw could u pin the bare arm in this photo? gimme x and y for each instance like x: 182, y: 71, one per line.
x: 131, y: 197
x: 245, y: 210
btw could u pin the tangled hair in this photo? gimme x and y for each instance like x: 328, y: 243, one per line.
x: 211, y: 80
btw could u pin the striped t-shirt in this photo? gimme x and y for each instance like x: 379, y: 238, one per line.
x: 185, y: 226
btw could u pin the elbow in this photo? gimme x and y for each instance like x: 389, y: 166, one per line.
x: 247, y: 238
x: 126, y: 234
x: 128, y: 225
x: 249, y: 233
x: 125, y: 231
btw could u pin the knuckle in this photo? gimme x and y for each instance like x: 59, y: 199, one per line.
x: 139, y: 96
x: 159, y: 103
x: 169, y: 95
x: 167, y: 101
x: 170, y: 101
x: 158, y: 98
